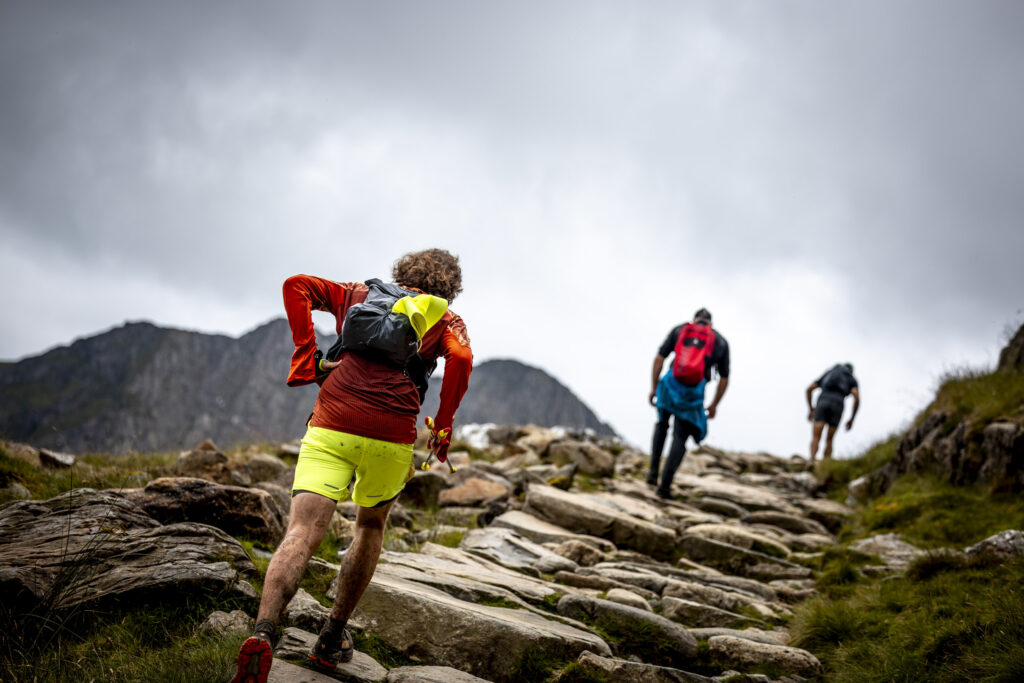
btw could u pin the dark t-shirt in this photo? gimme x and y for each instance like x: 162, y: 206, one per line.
x: 838, y: 381
x: 719, y: 358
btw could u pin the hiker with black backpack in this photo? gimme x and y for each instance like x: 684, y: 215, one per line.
x: 836, y: 384
x: 679, y: 393
x: 361, y: 432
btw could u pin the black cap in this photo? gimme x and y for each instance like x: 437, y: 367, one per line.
x: 702, y: 314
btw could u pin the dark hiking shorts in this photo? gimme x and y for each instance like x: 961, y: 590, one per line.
x: 829, y: 409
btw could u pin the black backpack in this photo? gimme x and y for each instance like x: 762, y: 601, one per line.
x: 373, y: 330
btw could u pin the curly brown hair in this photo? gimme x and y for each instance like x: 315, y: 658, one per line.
x: 434, y: 271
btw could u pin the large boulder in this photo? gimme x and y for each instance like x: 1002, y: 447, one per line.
x: 295, y: 644
x: 694, y: 614
x: 426, y: 624
x: 509, y: 549
x: 540, y: 531
x: 741, y: 653
x: 1002, y: 546
x: 587, y: 457
x: 264, y: 467
x: 473, y: 492
x: 651, y: 637
x: 86, y: 547
x: 238, y: 510
x: 580, y: 515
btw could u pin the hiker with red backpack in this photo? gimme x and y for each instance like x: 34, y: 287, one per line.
x: 835, y: 384
x: 679, y: 393
x: 361, y: 433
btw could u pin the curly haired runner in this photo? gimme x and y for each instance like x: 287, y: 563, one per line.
x: 363, y: 428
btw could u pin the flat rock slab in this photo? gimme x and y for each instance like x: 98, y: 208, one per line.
x: 474, y: 491
x: 511, y: 550
x: 295, y: 644
x: 791, y: 523
x: 755, y: 634
x: 741, y: 653
x: 431, y: 674
x: 635, y: 672
x: 752, y: 498
x: 695, y: 614
x: 579, y: 514
x: 736, y: 560
x: 540, y: 531
x: 430, y: 625
x: 893, y: 550
x: 96, y: 546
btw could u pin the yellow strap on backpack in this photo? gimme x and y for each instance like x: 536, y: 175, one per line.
x: 423, y: 311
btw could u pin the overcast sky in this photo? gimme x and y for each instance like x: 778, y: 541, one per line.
x: 835, y: 181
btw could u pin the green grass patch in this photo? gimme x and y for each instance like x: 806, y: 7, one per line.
x: 534, y: 666
x: 577, y: 673
x: 376, y: 647
x: 980, y: 397
x: 836, y: 474
x: 931, y: 513
x: 152, y: 642
x: 948, y: 620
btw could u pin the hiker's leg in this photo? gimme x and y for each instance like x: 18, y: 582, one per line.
x: 310, y: 516
x: 360, y: 560
x: 828, y: 441
x: 681, y: 430
x: 658, y: 445
x: 816, y: 438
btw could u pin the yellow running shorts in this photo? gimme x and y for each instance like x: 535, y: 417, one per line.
x: 328, y: 460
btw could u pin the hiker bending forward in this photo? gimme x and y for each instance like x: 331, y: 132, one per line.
x: 836, y: 384
x: 361, y: 433
x: 680, y: 392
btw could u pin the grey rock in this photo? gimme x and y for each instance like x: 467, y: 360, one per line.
x: 224, y: 623
x: 509, y: 549
x: 791, y: 523
x: 623, y: 671
x: 474, y: 491
x: 579, y: 552
x: 741, y: 653
x: 426, y: 624
x: 694, y: 614
x: 281, y: 495
x: 891, y: 548
x: 264, y: 467
x: 15, y: 491
x: 431, y: 674
x: 613, y: 616
x: 588, y: 458
x: 237, y: 510
x: 600, y: 583
x: 91, y: 546
x: 541, y: 531
x: 306, y: 612
x: 55, y: 460
x: 627, y: 597
x: 1011, y: 358
x: 425, y: 487
x: 736, y: 560
x: 286, y: 672
x: 718, y: 506
x: 579, y: 515
x: 295, y: 644
x: 755, y: 634
x: 1003, y: 546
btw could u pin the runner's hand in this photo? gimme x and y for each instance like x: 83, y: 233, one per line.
x: 440, y: 439
x: 329, y: 365
x: 652, y: 399
x: 712, y: 409
x: 810, y: 415
x: 849, y: 425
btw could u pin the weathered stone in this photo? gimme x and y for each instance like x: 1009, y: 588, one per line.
x: 628, y: 597
x: 613, y: 617
x: 718, y: 506
x: 472, y: 492
x: 575, y: 514
x: 588, y: 458
x: 431, y: 674
x: 755, y: 634
x: 306, y: 612
x: 623, y: 671
x: 191, y: 462
x: 295, y: 644
x: 540, y: 531
x: 600, y: 583
x: 579, y: 552
x: 740, y: 537
x: 744, y: 654
x: 94, y: 546
x: 429, y: 625
x: 425, y: 487
x: 509, y: 549
x: 791, y: 523
x: 55, y: 460
x: 749, y: 497
x: 281, y: 495
x: 1002, y: 546
x: 224, y: 623
x: 1002, y: 449
x: 286, y: 672
x: 236, y: 510
x: 710, y: 595
x: 733, y: 559
x: 263, y: 467
x: 289, y: 450
x: 893, y: 550
x: 14, y: 491
x: 1011, y: 358
x: 694, y: 614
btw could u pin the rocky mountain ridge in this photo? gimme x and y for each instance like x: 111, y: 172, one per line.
x: 144, y: 388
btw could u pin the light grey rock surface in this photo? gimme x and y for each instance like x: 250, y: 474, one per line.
x: 741, y: 653
x: 295, y: 644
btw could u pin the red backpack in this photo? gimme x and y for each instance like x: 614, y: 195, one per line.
x: 693, y: 347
